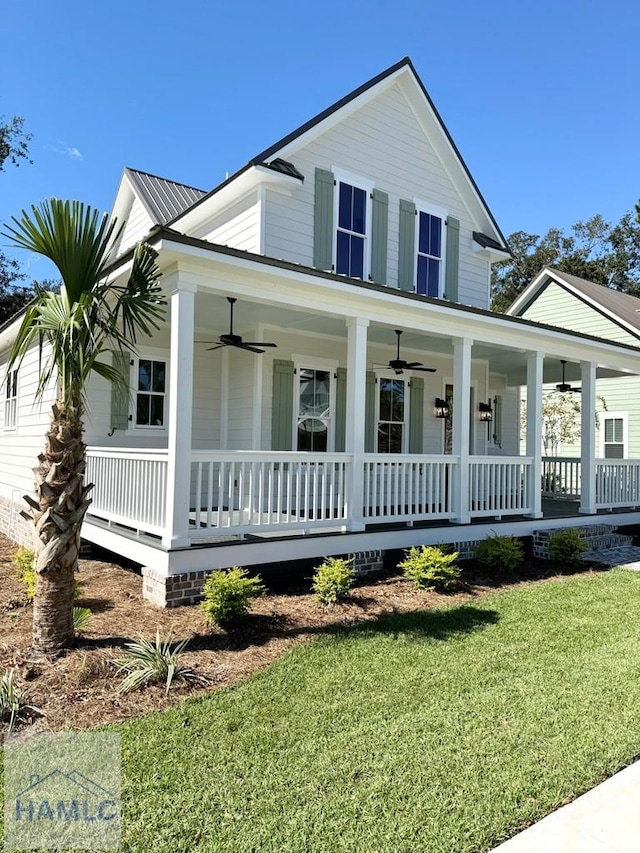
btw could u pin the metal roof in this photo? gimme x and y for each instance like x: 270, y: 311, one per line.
x: 163, y: 199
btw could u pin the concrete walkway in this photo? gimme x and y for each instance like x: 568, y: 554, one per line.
x: 604, y: 820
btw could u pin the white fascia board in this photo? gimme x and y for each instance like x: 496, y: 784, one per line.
x: 246, y: 182
x: 530, y: 290
x: 281, y: 286
x: 493, y: 255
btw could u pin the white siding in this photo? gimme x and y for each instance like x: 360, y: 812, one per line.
x: 138, y: 225
x: 384, y: 143
x: 241, y: 381
x: 238, y: 226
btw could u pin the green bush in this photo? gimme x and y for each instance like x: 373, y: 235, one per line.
x: 430, y: 568
x: 333, y: 579
x: 565, y: 547
x: 23, y: 559
x: 146, y: 662
x: 228, y: 594
x: 500, y: 556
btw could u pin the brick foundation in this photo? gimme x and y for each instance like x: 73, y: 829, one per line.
x: 366, y: 562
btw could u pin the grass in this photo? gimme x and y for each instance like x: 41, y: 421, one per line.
x: 441, y: 731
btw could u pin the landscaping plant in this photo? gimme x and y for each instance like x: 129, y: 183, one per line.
x: 13, y: 700
x: 430, y: 568
x: 22, y: 559
x: 147, y: 662
x: 333, y: 579
x: 499, y: 556
x: 228, y: 594
x: 81, y: 618
x: 566, y: 546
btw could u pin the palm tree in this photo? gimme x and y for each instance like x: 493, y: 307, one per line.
x: 88, y: 318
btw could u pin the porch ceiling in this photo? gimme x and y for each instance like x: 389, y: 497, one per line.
x: 212, y: 318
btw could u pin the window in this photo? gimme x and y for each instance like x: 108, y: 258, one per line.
x: 352, y: 230
x: 150, y: 392
x: 313, y: 413
x: 613, y: 435
x: 429, y: 255
x: 391, y: 415
x: 11, y: 400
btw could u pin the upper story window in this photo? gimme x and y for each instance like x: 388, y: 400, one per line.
x: 314, y: 409
x: 150, y: 392
x: 392, y: 415
x: 11, y: 400
x: 352, y: 230
x: 429, y: 260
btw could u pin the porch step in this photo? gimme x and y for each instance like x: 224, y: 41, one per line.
x: 598, y: 539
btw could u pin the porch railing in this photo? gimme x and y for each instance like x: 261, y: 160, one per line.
x: 403, y: 488
x: 236, y: 492
x: 499, y: 485
x: 617, y: 483
x: 130, y: 487
x: 561, y: 477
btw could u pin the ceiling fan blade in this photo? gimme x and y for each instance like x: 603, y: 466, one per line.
x: 248, y: 347
x: 425, y: 369
x: 411, y: 364
x: 213, y: 349
x: 257, y: 344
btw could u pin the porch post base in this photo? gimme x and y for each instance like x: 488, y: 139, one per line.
x: 534, y: 515
x: 176, y: 542
x: 356, y: 526
x: 587, y: 510
x: 462, y: 519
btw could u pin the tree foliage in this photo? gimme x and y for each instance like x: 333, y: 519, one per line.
x: 594, y: 249
x: 14, y: 142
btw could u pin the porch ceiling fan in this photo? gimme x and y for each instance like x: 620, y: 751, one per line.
x: 399, y: 365
x: 563, y: 386
x: 229, y: 339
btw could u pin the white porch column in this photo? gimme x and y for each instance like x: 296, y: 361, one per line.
x: 355, y: 415
x: 461, y: 428
x: 588, y: 439
x: 535, y: 362
x: 180, y: 416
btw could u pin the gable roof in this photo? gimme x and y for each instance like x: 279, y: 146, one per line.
x: 620, y: 307
x: 163, y: 199
x: 421, y: 102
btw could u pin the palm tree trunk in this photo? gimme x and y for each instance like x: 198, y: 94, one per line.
x: 57, y: 515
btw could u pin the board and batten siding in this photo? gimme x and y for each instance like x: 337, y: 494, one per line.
x: 557, y: 306
x: 381, y: 142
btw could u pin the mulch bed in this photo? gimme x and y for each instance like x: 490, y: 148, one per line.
x: 79, y: 689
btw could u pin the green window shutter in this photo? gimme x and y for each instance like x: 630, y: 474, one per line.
x: 379, y: 231
x: 120, y: 392
x: 451, y: 260
x: 323, y: 220
x: 341, y: 409
x: 370, y: 413
x: 416, y: 412
x: 407, y: 246
x: 282, y: 405
x: 497, y: 420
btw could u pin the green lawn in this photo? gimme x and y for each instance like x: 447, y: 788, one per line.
x: 436, y: 731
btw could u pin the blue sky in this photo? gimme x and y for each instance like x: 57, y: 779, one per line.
x: 542, y: 98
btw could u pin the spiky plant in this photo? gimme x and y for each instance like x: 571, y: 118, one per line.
x: 91, y: 316
x: 147, y: 662
x: 13, y: 700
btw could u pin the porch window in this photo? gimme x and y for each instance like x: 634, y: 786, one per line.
x: 391, y: 415
x: 11, y: 400
x: 614, y: 436
x: 429, y: 256
x: 151, y: 384
x: 313, y: 421
x: 351, y: 237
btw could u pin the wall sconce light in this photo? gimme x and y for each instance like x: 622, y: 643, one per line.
x: 441, y: 408
x: 486, y: 412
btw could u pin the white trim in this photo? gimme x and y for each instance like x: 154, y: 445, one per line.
x: 624, y: 417
x: 151, y: 354
x: 13, y: 427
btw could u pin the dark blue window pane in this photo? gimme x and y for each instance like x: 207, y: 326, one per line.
x: 344, y: 206
x: 357, y: 257
x: 359, y: 210
x: 423, y: 234
x: 434, y: 242
x: 433, y: 276
x: 343, y: 253
x: 421, y: 280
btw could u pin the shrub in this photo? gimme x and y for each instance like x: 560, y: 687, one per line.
x: 499, y: 555
x: 333, y: 579
x: 430, y: 568
x: 23, y: 559
x: 147, y: 662
x: 13, y: 700
x: 565, y: 546
x: 228, y: 594
x: 81, y: 619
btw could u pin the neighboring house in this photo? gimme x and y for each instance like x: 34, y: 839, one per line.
x: 362, y: 222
